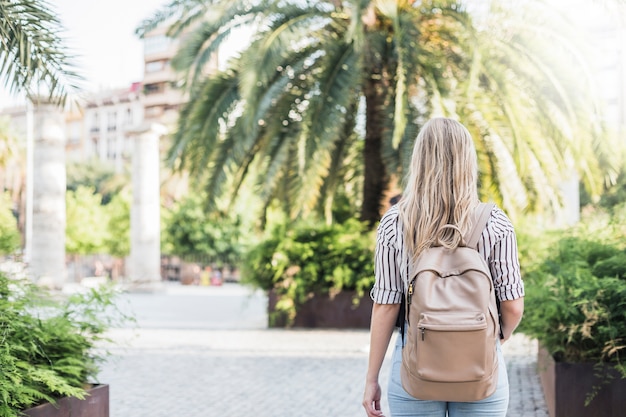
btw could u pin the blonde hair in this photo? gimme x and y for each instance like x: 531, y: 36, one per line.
x: 441, y: 187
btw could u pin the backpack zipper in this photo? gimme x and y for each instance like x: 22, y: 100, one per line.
x: 408, y: 300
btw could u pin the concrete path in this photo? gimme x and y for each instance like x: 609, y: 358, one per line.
x: 206, y: 351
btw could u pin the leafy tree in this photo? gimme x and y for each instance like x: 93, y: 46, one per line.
x: 321, y: 80
x: 87, y: 225
x: 12, y: 165
x: 117, y: 242
x: 9, y: 234
x: 98, y: 175
x: 93, y: 227
x: 32, y: 56
x: 190, y: 231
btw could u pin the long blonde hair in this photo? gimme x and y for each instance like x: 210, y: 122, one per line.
x: 441, y: 187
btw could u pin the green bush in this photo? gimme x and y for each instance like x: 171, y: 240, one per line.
x: 9, y: 233
x: 576, y: 293
x: 193, y: 233
x: 312, y: 259
x: 94, y: 227
x: 48, y: 347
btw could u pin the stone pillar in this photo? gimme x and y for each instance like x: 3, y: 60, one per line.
x: 143, y: 268
x: 570, y: 191
x: 47, y: 260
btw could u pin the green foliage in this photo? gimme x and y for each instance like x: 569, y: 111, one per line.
x: 117, y: 242
x: 86, y: 228
x: 576, y: 293
x: 9, y: 233
x: 615, y: 195
x: 333, y: 92
x: 190, y: 231
x: 93, y: 174
x: 48, y: 347
x: 311, y: 259
x: 96, y: 228
x: 34, y: 59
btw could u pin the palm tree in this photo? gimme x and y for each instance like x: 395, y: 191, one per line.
x: 32, y: 57
x: 531, y: 104
x: 291, y: 105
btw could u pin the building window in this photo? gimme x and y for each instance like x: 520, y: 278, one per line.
x: 153, y: 88
x: 156, y: 66
x: 95, y: 124
x: 154, y: 111
x: 156, y: 44
x: 111, y: 148
x: 112, y: 122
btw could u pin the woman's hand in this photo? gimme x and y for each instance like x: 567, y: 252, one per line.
x: 383, y: 320
x: 371, y: 399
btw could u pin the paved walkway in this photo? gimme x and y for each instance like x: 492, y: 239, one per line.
x: 199, y: 352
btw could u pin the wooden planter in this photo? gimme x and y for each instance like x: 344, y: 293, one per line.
x: 324, y: 311
x: 96, y: 404
x: 567, y: 385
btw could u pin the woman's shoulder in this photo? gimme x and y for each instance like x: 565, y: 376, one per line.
x: 391, y: 215
x: 388, y: 226
x: 499, y: 224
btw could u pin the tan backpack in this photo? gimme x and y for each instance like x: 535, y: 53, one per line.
x: 453, y: 326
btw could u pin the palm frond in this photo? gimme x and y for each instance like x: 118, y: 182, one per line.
x: 201, y: 122
x: 176, y: 11
x: 32, y: 56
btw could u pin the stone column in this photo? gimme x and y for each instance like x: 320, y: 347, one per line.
x: 47, y: 260
x: 143, y: 268
x: 570, y: 191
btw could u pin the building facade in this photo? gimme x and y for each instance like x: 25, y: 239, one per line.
x: 162, y: 96
x: 106, y: 118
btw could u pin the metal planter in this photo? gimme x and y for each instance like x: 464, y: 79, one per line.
x: 96, y: 404
x: 566, y: 386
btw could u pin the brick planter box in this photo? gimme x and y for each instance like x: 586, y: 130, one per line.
x: 567, y: 385
x: 96, y: 404
x: 323, y: 311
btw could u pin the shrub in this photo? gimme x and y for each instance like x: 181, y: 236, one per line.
x: 9, y: 233
x: 576, y: 294
x: 191, y: 232
x: 312, y: 259
x: 48, y: 347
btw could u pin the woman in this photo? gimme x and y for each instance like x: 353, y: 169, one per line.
x: 441, y: 189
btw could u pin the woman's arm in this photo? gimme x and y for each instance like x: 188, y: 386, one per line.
x: 512, y: 311
x: 381, y: 328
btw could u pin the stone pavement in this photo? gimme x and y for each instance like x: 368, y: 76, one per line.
x: 199, y: 352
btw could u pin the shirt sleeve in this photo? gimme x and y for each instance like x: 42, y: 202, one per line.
x: 499, y: 244
x: 388, y: 287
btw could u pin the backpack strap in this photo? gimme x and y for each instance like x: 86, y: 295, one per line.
x: 481, y: 217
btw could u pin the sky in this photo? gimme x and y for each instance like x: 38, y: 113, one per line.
x: 102, y: 35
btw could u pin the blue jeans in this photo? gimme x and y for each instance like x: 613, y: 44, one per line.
x: 402, y: 404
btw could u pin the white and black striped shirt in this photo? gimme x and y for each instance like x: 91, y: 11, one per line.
x: 497, y: 244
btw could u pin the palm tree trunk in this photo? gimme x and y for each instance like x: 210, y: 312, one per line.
x: 375, y: 173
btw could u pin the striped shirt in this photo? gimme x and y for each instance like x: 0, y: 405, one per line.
x: 497, y: 244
